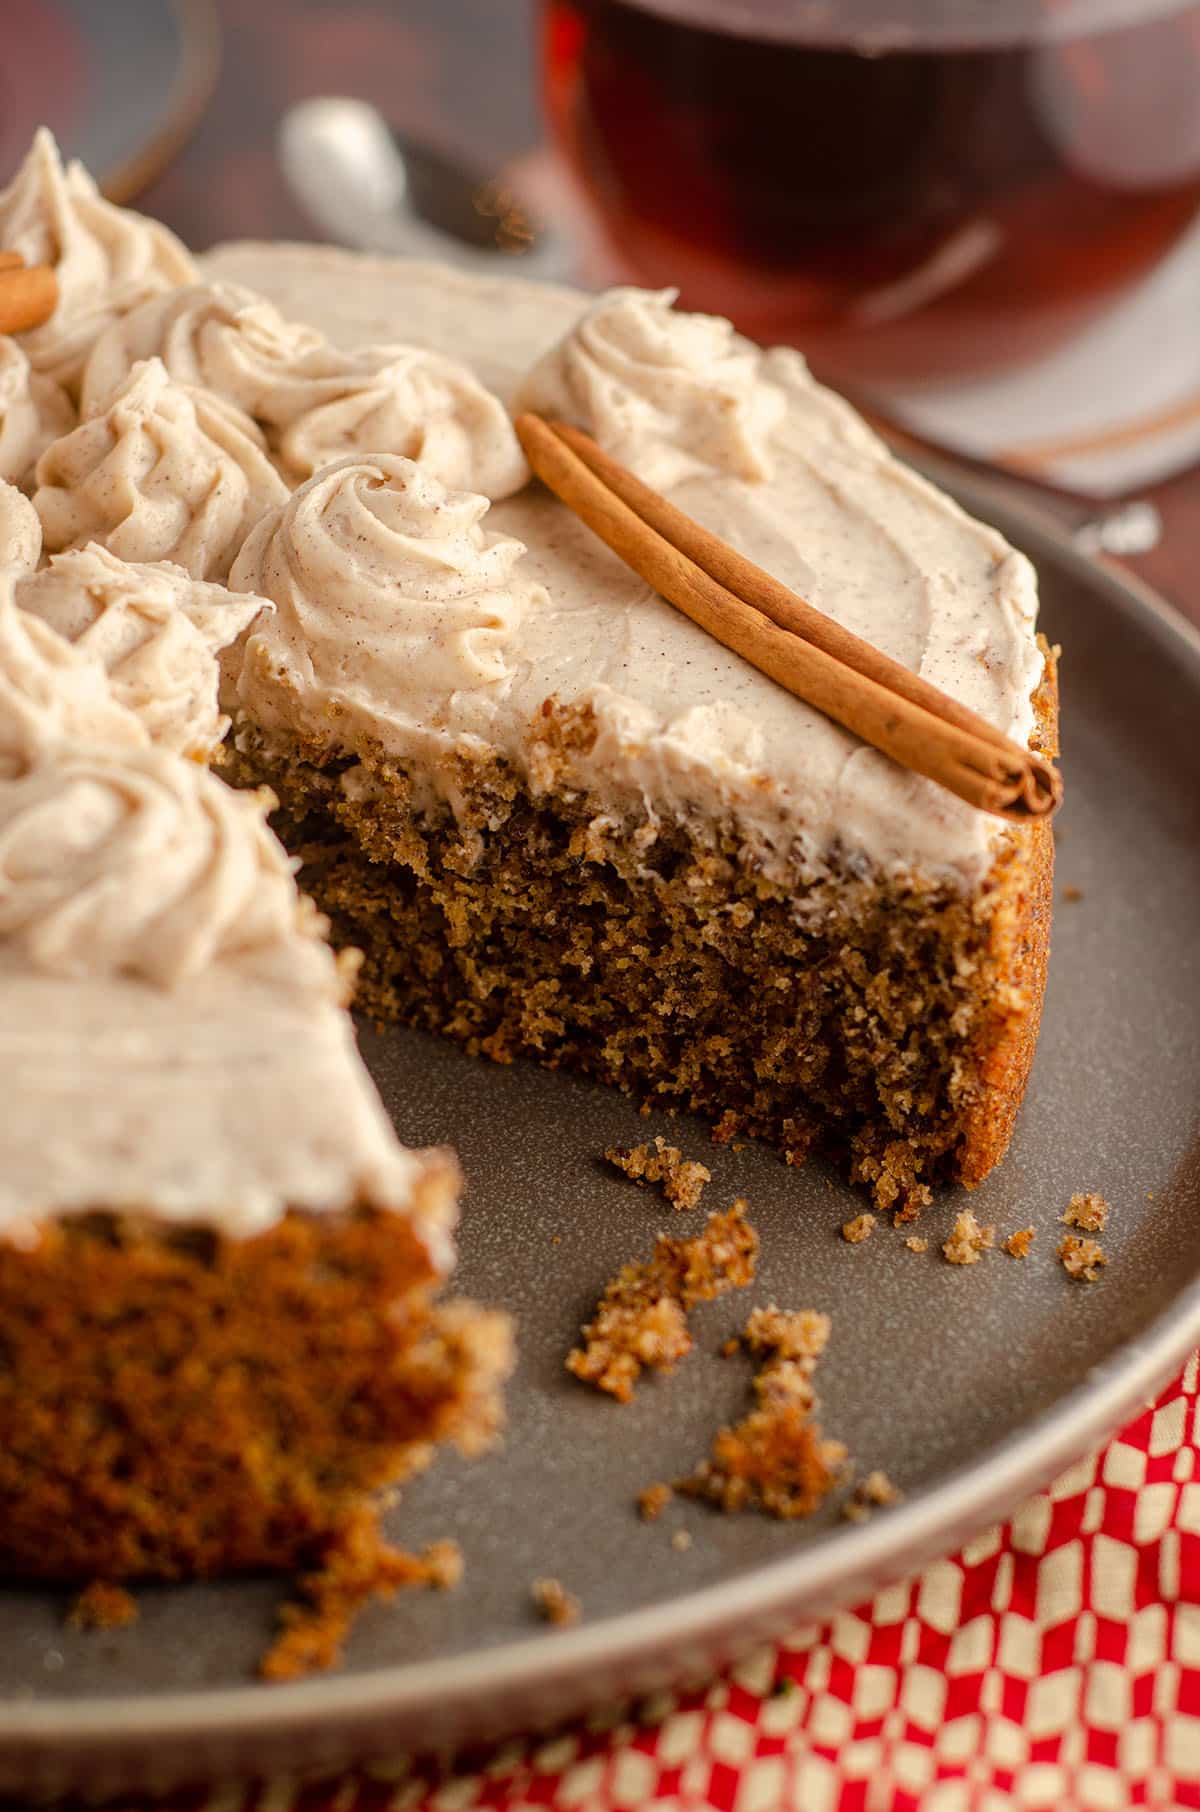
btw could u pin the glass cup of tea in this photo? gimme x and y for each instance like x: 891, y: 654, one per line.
x: 909, y: 190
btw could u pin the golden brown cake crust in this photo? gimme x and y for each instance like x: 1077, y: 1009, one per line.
x: 1006, y: 1040
x: 175, y: 1403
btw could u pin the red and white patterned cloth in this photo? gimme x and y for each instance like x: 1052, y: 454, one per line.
x: 1053, y: 1664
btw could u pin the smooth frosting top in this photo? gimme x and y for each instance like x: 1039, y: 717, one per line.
x: 669, y: 394
x: 376, y: 570
x: 155, y: 631
x: 163, y: 473
x: 106, y: 259
x: 768, y: 459
x: 34, y: 410
x: 315, y: 401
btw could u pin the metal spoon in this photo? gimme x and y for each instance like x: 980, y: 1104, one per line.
x: 367, y: 186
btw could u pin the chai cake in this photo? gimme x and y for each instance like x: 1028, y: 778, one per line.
x: 563, y: 822
x: 219, y: 1269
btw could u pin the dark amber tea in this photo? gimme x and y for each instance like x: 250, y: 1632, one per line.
x: 902, y: 203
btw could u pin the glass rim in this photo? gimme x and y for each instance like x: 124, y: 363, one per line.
x: 877, y: 26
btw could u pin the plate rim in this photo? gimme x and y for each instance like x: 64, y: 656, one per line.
x: 818, y: 1578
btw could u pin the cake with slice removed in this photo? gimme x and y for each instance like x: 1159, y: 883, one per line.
x: 562, y: 821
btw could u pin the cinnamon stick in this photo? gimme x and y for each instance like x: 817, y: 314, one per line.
x: 28, y: 295
x: 785, y: 638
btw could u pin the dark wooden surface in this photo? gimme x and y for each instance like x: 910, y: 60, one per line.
x: 461, y: 74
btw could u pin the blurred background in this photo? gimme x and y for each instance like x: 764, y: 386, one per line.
x: 981, y: 218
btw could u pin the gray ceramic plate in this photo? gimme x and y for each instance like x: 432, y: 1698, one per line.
x: 969, y: 1386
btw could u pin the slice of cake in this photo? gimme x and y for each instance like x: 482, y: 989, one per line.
x: 563, y: 821
x: 219, y: 1270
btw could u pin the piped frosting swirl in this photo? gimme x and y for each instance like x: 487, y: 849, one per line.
x: 134, y: 862
x: 315, y: 402
x: 51, y: 696
x: 153, y: 629
x: 672, y: 395
x: 107, y: 259
x: 375, y: 557
x: 34, y: 410
x: 163, y: 474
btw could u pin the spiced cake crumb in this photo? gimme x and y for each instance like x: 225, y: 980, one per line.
x: 1072, y: 893
x: 787, y: 1333
x: 1081, y: 1258
x: 653, y: 1501
x: 358, y: 1566
x: 682, y: 1179
x: 555, y: 1603
x: 969, y: 1241
x: 1017, y: 1244
x: 915, y: 1243
x: 681, y: 1541
x: 775, y: 1459
x: 860, y: 1228
x: 641, y: 1320
x: 102, y: 1606
x: 1087, y: 1212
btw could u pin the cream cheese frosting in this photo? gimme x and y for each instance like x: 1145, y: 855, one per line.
x: 795, y: 479
x: 316, y: 402
x: 172, y: 1036
x: 671, y: 395
x: 51, y: 696
x: 154, y: 630
x: 20, y: 532
x: 34, y: 410
x: 375, y: 569
x: 107, y: 259
x: 133, y: 862
x: 162, y: 473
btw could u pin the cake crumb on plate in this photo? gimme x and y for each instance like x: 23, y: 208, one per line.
x: 969, y: 1241
x: 652, y: 1501
x: 102, y: 1606
x: 916, y: 1243
x: 860, y: 1228
x: 555, y: 1603
x: 1087, y: 1212
x: 1017, y: 1244
x: 1081, y: 1258
x: 682, y: 1179
x: 775, y: 1459
x: 641, y: 1320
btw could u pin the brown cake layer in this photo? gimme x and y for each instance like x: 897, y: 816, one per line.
x: 175, y: 1402
x: 888, y: 1019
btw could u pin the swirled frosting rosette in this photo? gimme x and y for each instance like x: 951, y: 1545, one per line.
x: 672, y: 395
x: 34, y: 411
x: 51, y: 696
x: 316, y: 402
x: 164, y: 473
x: 107, y: 259
x: 154, y: 630
x: 134, y: 862
x: 387, y: 587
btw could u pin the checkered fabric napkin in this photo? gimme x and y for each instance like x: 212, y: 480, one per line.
x: 1053, y: 1664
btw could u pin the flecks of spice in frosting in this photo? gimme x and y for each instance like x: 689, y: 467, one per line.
x: 135, y: 862
x: 383, y: 579
x: 20, y: 532
x: 34, y: 410
x: 316, y: 402
x: 164, y: 473
x: 51, y: 696
x: 670, y: 394
x: 153, y: 629
x: 106, y: 259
